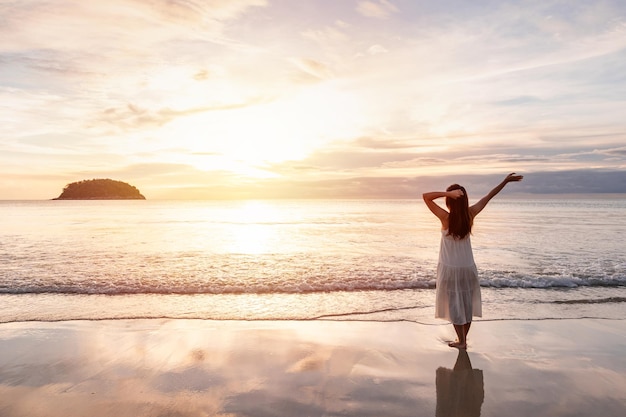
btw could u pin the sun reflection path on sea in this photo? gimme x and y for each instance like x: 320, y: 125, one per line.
x: 250, y: 227
x: 253, y: 229
x: 260, y: 227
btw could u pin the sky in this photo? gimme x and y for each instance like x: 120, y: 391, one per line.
x: 192, y: 99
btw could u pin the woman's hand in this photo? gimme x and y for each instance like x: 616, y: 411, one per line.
x: 454, y: 194
x: 512, y: 177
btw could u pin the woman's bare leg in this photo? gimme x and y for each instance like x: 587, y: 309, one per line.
x: 466, y: 329
x: 460, y: 333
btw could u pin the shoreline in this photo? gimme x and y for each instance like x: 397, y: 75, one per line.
x: 193, y: 367
x: 375, y: 306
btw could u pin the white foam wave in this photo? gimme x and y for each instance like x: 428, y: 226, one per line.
x: 294, y: 284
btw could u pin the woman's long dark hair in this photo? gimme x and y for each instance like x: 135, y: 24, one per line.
x: 459, y: 221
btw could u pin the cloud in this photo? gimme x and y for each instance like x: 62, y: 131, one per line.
x: 312, y: 68
x: 519, y: 100
x: 196, y: 10
x: 201, y: 75
x: 133, y: 116
x: 85, y: 49
x: 351, y: 159
x: 380, y: 9
x: 537, y: 183
x: 574, y: 182
x: 376, y: 50
x: 327, y: 34
x: 612, y: 152
x: 119, y: 24
x: 372, y: 143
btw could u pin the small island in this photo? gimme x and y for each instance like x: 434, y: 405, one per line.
x: 100, y: 189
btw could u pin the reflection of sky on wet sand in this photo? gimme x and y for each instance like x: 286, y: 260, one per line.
x: 196, y: 368
x: 201, y: 368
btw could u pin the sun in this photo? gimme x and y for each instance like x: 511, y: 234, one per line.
x: 250, y: 139
x: 264, y: 134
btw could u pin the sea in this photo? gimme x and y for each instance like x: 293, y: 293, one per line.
x: 365, y: 260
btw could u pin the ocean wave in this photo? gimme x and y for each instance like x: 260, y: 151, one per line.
x: 280, y: 285
x: 515, y: 280
x: 193, y: 273
x: 228, y: 289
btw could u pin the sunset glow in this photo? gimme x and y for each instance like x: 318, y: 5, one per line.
x: 258, y: 98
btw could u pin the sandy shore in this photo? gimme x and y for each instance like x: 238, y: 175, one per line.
x: 232, y: 368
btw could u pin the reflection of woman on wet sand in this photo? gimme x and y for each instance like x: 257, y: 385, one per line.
x: 460, y: 391
x: 458, y: 289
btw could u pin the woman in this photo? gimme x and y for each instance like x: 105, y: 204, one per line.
x: 458, y: 289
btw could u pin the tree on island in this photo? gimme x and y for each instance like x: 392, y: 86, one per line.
x: 100, y: 189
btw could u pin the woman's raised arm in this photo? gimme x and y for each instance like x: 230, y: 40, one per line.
x: 478, y: 207
x: 436, y: 209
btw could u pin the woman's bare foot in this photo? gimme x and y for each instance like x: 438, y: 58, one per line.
x: 458, y: 345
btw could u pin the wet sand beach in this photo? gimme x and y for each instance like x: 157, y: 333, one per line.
x: 312, y: 368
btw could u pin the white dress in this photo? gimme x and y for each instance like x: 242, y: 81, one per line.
x: 458, y: 289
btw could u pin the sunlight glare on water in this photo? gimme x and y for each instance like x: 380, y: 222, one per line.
x: 252, y: 229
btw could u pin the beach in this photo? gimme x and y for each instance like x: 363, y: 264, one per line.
x: 155, y: 367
